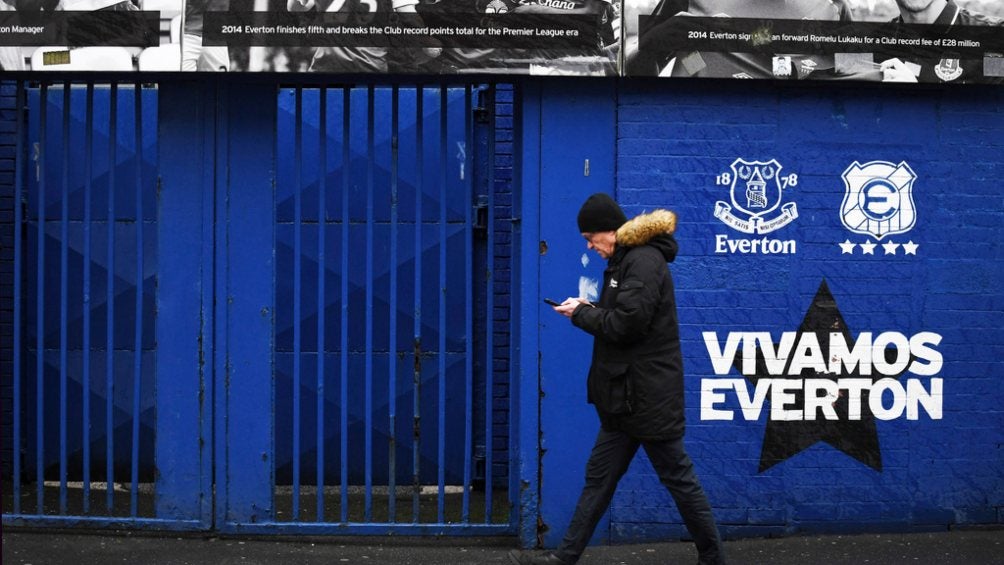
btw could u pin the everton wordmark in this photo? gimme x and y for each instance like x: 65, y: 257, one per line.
x: 823, y: 384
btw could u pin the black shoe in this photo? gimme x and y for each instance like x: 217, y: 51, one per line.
x: 517, y: 557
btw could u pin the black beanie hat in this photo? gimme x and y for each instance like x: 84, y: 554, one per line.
x: 600, y: 213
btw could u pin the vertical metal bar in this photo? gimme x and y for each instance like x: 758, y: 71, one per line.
x: 468, y: 309
x: 490, y: 317
x: 138, y: 331
x: 16, y: 361
x: 110, y: 303
x: 370, y: 165
x: 297, y: 287
x: 322, y: 222
x: 64, y: 263
x: 441, y: 476
x: 85, y: 429
x: 417, y: 332
x: 40, y: 306
x: 344, y: 393
x: 392, y: 341
x: 18, y: 221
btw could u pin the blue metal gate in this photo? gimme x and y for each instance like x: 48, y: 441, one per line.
x: 288, y: 293
x: 87, y: 373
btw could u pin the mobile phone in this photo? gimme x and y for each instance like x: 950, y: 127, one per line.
x: 550, y: 302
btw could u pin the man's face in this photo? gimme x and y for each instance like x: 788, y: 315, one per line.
x: 602, y: 242
x: 914, y: 6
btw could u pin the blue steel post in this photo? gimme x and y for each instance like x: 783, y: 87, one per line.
x: 322, y: 223
x: 524, y: 448
x: 40, y: 309
x: 184, y: 362
x: 110, y: 302
x: 469, y: 310
x: 138, y: 330
x: 441, y: 405
x: 297, y: 291
x: 392, y: 335
x: 343, y: 399
x: 18, y: 224
x: 368, y: 400
x: 85, y: 429
x: 246, y: 379
x: 64, y: 294
x: 417, y: 331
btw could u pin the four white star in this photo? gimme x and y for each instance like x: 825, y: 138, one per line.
x: 868, y: 247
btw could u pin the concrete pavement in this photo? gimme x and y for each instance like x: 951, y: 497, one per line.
x: 23, y: 547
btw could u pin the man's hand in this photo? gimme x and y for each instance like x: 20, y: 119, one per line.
x: 895, y: 70
x: 567, y: 307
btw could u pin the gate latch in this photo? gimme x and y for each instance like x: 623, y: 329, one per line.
x: 481, y: 217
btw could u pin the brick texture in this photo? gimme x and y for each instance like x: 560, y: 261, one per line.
x: 676, y: 146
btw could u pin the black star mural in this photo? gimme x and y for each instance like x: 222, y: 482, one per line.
x: 784, y: 439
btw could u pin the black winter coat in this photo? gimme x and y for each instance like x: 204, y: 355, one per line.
x: 636, y: 377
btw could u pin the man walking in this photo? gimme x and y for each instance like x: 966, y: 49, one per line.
x: 636, y: 378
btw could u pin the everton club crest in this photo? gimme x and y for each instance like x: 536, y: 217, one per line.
x: 948, y: 69
x: 879, y: 198
x: 756, y: 204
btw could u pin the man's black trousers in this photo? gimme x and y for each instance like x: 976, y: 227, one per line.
x: 608, y: 462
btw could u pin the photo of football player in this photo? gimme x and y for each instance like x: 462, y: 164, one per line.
x: 98, y: 35
x: 194, y: 55
x: 643, y: 58
x: 484, y: 58
x: 950, y: 67
x: 366, y: 59
x: 11, y: 57
x: 597, y: 59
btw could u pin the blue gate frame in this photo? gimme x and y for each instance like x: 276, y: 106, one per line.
x: 211, y: 372
x: 95, y: 282
x: 348, y: 301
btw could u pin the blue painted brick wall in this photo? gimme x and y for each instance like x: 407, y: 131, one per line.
x: 502, y: 283
x: 674, y: 140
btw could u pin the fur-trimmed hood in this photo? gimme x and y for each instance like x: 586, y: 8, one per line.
x: 654, y: 228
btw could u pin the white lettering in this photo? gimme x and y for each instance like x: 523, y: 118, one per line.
x: 890, y: 354
x: 782, y: 394
x: 854, y: 389
x: 820, y: 396
x: 917, y: 396
x: 711, y: 397
x: 875, y: 402
x: 762, y: 246
x: 929, y: 361
x: 843, y: 360
x: 752, y: 407
x: 775, y: 360
x: 750, y: 341
x: 807, y: 356
x: 721, y: 360
x: 898, y: 346
x: 815, y: 401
